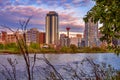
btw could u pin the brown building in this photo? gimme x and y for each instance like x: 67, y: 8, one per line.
x: 79, y: 35
x: 11, y: 38
x: 3, y: 37
x: 42, y: 38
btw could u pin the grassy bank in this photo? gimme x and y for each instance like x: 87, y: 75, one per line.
x: 35, y: 48
x: 58, y: 51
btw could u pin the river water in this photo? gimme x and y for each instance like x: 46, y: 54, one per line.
x: 58, y: 60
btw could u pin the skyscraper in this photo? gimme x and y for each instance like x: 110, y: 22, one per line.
x: 52, y: 27
x: 91, y: 34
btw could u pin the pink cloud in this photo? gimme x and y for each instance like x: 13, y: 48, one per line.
x: 18, y: 12
x: 68, y: 6
x: 67, y: 17
x: 69, y: 20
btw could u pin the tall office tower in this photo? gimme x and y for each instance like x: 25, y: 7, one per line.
x: 91, y: 34
x: 52, y: 28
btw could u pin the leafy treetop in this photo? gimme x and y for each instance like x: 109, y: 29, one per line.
x: 107, y: 12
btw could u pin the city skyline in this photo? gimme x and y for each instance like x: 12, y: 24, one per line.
x: 70, y: 12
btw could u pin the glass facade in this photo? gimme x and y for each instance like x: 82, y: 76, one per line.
x: 91, y: 34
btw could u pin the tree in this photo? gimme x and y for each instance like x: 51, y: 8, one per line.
x: 1, y: 46
x: 10, y: 45
x: 22, y: 44
x: 34, y: 46
x: 108, y: 13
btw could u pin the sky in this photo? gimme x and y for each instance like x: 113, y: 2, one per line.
x: 71, y: 13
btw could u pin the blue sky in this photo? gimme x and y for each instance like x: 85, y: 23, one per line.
x: 70, y: 13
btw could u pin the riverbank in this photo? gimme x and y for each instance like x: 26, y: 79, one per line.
x: 59, y: 51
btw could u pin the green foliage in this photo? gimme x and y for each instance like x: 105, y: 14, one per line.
x: 66, y: 49
x: 10, y: 46
x: 108, y: 13
x: 117, y: 76
x: 73, y: 47
x: 85, y: 50
x: 98, y: 49
x: 92, y: 50
x: 34, y: 46
x: 1, y: 46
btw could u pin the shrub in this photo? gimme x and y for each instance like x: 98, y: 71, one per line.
x: 10, y: 45
x: 66, y: 49
x: 74, y: 48
x: 34, y: 46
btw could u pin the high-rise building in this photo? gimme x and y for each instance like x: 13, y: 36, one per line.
x: 52, y: 28
x: 32, y: 36
x: 79, y: 36
x: 82, y: 42
x: 76, y: 40
x: 64, y: 40
x: 91, y: 34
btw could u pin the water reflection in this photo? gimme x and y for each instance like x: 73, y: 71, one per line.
x: 60, y: 59
x: 69, y: 62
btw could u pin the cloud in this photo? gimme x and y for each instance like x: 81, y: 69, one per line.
x: 4, y: 3
x: 67, y: 6
x: 13, y: 11
x: 79, y: 3
x: 38, y: 1
x: 68, y: 20
x: 74, y: 27
x: 76, y: 1
x: 12, y: 14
